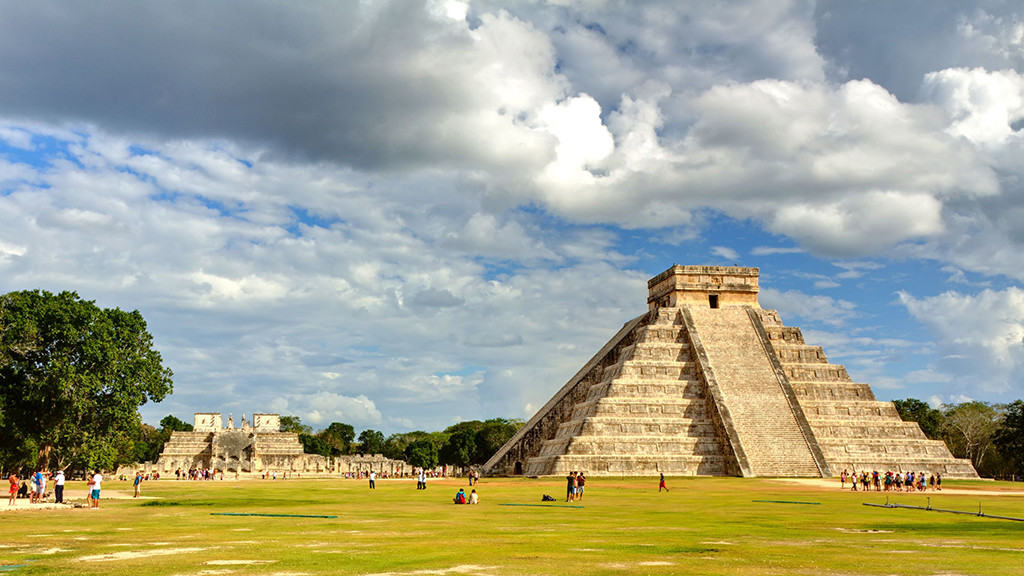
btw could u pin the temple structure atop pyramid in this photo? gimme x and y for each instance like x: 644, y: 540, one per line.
x: 709, y: 383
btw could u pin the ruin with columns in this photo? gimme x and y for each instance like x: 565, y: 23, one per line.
x: 706, y: 382
x: 256, y: 447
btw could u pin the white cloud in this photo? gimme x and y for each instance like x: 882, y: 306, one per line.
x: 814, y: 308
x: 725, y: 252
x: 982, y: 105
x: 772, y: 250
x: 981, y: 336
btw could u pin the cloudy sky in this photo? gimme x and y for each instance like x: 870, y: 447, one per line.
x: 400, y: 214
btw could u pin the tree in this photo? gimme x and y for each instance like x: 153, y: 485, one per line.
x: 371, y: 441
x: 1010, y: 437
x: 314, y: 445
x: 460, y: 448
x: 969, y: 428
x: 928, y: 418
x: 72, y: 377
x: 172, y: 423
x: 294, y: 424
x: 493, y: 435
x: 421, y: 453
x: 339, y: 436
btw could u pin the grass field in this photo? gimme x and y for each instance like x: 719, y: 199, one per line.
x: 703, y: 526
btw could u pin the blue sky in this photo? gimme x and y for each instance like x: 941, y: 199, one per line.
x: 404, y: 214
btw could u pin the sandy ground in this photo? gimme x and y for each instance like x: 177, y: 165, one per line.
x: 833, y: 484
x: 70, y: 496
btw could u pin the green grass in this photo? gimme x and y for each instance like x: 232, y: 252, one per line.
x: 703, y: 526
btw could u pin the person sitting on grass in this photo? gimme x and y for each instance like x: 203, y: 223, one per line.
x: 473, y: 498
x: 460, y: 498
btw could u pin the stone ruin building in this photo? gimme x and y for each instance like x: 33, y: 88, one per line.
x: 709, y: 383
x: 255, y: 448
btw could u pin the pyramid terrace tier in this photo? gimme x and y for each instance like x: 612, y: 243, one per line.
x: 665, y: 426
x: 638, y: 445
x: 808, y: 391
x: 631, y: 465
x: 639, y: 407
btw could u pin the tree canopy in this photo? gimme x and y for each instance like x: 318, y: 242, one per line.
x: 72, y: 377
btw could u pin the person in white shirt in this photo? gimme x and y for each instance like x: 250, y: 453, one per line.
x: 58, y: 486
x: 373, y: 477
x: 473, y: 498
x: 94, y: 490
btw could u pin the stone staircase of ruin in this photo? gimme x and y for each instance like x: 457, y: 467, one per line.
x: 188, y: 443
x: 647, y: 412
x: 854, y: 430
x: 276, y: 443
x: 770, y: 432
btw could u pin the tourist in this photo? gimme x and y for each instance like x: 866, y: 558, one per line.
x: 460, y: 497
x: 842, y: 480
x: 661, y: 484
x: 473, y: 498
x: 470, y: 478
x: 138, y: 484
x: 938, y: 482
x: 570, y: 487
x: 94, y: 490
x: 373, y: 478
x: 38, y: 486
x: 581, y: 484
x: 14, y: 489
x: 58, y: 487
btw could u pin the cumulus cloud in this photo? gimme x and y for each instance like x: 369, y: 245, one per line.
x: 981, y: 336
x: 813, y: 308
x: 401, y: 203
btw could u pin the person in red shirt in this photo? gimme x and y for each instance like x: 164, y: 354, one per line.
x: 14, y: 489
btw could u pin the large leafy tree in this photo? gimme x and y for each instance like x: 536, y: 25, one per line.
x: 72, y: 377
x: 969, y: 429
x: 371, y: 441
x: 421, y: 453
x: 294, y: 424
x: 929, y: 419
x: 339, y: 437
x: 1010, y: 437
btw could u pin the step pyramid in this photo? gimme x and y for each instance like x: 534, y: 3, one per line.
x: 709, y: 383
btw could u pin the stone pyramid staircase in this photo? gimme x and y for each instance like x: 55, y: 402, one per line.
x: 642, y: 411
x: 768, y: 429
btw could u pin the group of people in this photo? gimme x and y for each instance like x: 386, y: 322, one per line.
x: 197, y: 474
x: 460, y: 497
x: 891, y: 481
x: 576, y: 482
x: 37, y: 492
x: 40, y: 479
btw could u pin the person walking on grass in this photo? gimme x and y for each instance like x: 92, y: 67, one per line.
x: 14, y: 489
x: 662, y: 483
x: 138, y: 484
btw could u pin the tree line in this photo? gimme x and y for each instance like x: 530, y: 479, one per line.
x: 990, y: 435
x: 469, y: 443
